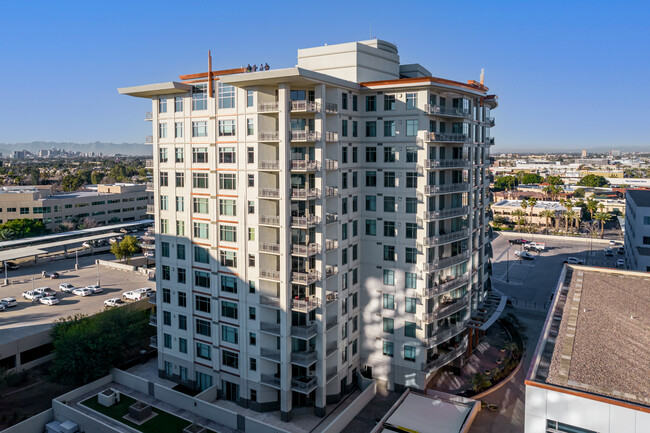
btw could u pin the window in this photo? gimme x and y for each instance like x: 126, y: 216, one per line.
x: 371, y: 203
x: 201, y: 255
x: 228, y: 284
x: 162, y: 131
x: 389, y: 204
x: 200, y: 155
x: 163, y: 154
x: 182, y: 299
x: 252, y: 338
x: 228, y: 233
x: 229, y: 359
x: 252, y: 313
x: 355, y: 129
x: 251, y: 286
x: 389, y: 277
x: 371, y: 178
x: 200, y: 180
x: 178, y: 129
x: 388, y: 348
x: 226, y: 95
x: 179, y: 154
x: 251, y: 233
x: 182, y: 322
x: 410, y: 305
x: 371, y: 129
x: 167, y: 341
x: 166, y: 272
x: 411, y: 205
x: 164, y: 181
x: 202, y: 279
x: 164, y: 249
x: 181, y: 275
x: 389, y: 229
x: 344, y: 181
x: 228, y: 207
x: 371, y: 103
x: 226, y: 128
x: 344, y: 206
x: 178, y: 104
x: 200, y: 129
x: 201, y: 230
x: 411, y: 179
x: 371, y: 154
x: 164, y: 202
x: 389, y: 179
x: 409, y: 353
x: 200, y: 97
x: 227, y: 155
x: 344, y: 101
x: 253, y: 366
x: 180, y: 252
x: 251, y: 206
x: 344, y: 231
x: 411, y: 280
x: 389, y: 154
x: 227, y: 181
x: 389, y: 128
x: 167, y: 297
x: 249, y: 98
x: 180, y: 180
x: 251, y: 260
x: 203, y: 328
x: 411, y: 230
x: 344, y: 257
x: 411, y: 101
x: 180, y: 228
x: 250, y: 126
x: 344, y: 128
x: 389, y: 253
x: 164, y: 226
x: 230, y: 334
x: 371, y: 227
x: 355, y: 101
x: 203, y: 351
x: 411, y: 128
x: 251, y: 180
x: 409, y: 329
x: 200, y: 204
x: 229, y: 309
x: 355, y: 203
x: 389, y: 102
x: 411, y: 154
x: 228, y: 258
x: 182, y: 345
x: 389, y: 325
x: 559, y: 427
x: 388, y: 301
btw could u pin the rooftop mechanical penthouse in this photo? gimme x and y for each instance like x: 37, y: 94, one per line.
x: 317, y: 222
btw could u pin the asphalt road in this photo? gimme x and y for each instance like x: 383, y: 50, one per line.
x: 26, y: 313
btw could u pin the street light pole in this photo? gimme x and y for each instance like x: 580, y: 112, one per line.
x: 508, y: 265
x: 76, y: 259
x: 97, y: 263
x: 6, y: 274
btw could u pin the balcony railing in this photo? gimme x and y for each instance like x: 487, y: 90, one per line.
x: 305, y: 193
x: 148, y: 139
x: 304, y: 332
x: 302, y: 105
x: 445, y: 286
x: 152, y: 298
x: 305, y: 277
x: 305, y: 136
x: 446, y: 262
x: 445, y: 163
x: 304, y: 305
x: 153, y: 341
x: 304, y: 359
x: 331, y: 164
x: 149, y: 186
x: 446, y: 358
x: 446, y: 213
x: 331, y: 323
x: 331, y: 108
x: 268, y: 136
x: 151, y: 209
x: 305, y: 221
x: 269, y: 247
x: 331, y: 218
x: 299, y: 164
x: 305, y: 250
x: 269, y: 192
x: 447, y: 238
x: 148, y: 115
x: 331, y: 191
x: 330, y: 297
x: 331, y: 347
x: 270, y: 220
x: 268, y: 106
x: 270, y: 301
x: 271, y: 328
x: 331, y: 244
x: 153, y: 320
x: 442, y: 137
x: 448, y: 188
x: 148, y: 163
x: 449, y: 308
x: 331, y: 136
x: 270, y: 354
x: 330, y: 271
x: 438, y: 110
x: 270, y: 274
x: 489, y: 121
x: 489, y: 140
x: 443, y: 334
x: 304, y: 385
x: 271, y: 380
x: 332, y: 373
x: 268, y: 165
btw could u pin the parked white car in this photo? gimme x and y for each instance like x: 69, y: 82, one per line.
x: 95, y: 288
x: 82, y: 291
x: 574, y: 261
x: 66, y: 287
x: 524, y: 255
x: 620, y: 263
x: 114, y: 302
x: 137, y: 294
x: 8, y: 302
x: 32, y: 295
x: 49, y: 300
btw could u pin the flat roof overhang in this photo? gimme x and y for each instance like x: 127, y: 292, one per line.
x: 280, y: 76
x: 149, y: 90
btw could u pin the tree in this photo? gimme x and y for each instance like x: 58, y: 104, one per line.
x: 531, y: 178
x: 480, y: 381
x: 554, y: 180
x: 505, y: 182
x: 126, y: 248
x: 71, y: 183
x: 532, y: 202
x: 96, y: 177
x: 579, y: 193
x: 593, y: 180
x: 602, y: 218
x: 547, y: 214
x: 87, y: 223
x: 592, y: 206
x: 520, y: 215
x: 569, y: 215
x: 24, y: 228
x: 524, y: 206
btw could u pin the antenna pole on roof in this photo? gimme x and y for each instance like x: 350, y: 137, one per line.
x: 209, y: 74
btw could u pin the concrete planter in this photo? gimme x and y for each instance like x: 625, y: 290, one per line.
x: 106, y: 397
x: 194, y: 428
x: 140, y: 411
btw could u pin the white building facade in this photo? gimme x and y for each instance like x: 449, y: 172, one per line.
x: 318, y: 221
x: 637, y: 230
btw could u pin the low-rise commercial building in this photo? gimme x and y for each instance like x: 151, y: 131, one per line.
x: 536, y: 215
x: 637, y: 230
x: 105, y: 204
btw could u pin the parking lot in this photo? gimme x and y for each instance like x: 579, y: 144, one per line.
x: 113, y: 283
x: 529, y: 283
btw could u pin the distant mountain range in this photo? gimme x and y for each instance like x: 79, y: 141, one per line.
x: 552, y: 148
x: 98, y: 147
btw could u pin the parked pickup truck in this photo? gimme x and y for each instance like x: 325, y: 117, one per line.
x: 32, y: 295
x: 137, y: 294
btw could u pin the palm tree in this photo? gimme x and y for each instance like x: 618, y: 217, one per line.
x: 569, y: 215
x: 521, y: 216
x: 524, y: 206
x: 532, y: 202
x: 547, y: 214
x: 592, y: 206
x: 602, y: 218
x: 548, y: 191
x: 6, y: 234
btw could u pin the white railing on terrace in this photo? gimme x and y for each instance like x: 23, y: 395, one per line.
x: 269, y: 300
x: 331, y: 108
x: 151, y: 209
x: 443, y: 110
x: 305, y: 220
x: 304, y: 358
x: 271, y: 380
x: 273, y: 328
x: 302, y: 105
x: 149, y: 186
x: 446, y: 213
x: 305, y: 136
x: 303, y: 385
x: 330, y: 271
x: 448, y: 138
x: 148, y: 163
x: 445, y: 286
x: 269, y: 192
x: 446, y: 262
x: 270, y: 274
x: 306, y: 331
x: 331, y: 191
x: 450, y: 187
x: 331, y: 164
x: 268, y: 106
x: 445, y: 163
x: 445, y: 358
x: 305, y: 277
x: 268, y: 247
x: 331, y: 136
x: 268, y: 136
x: 148, y: 115
x: 268, y: 165
x: 304, y: 305
x: 446, y: 238
x: 270, y: 220
x: 148, y: 139
x: 299, y: 164
x: 309, y: 250
x: 305, y: 193
x: 331, y: 245
x: 331, y: 218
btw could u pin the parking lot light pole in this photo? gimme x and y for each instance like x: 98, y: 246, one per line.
x: 6, y: 274
x: 97, y: 263
x: 508, y: 265
x: 76, y: 259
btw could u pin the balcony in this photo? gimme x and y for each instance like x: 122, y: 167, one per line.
x: 489, y: 121
x: 446, y: 189
x: 446, y: 286
x: 305, y: 221
x: 431, y: 164
x: 268, y: 136
x: 269, y: 193
x: 305, y: 106
x: 304, y: 385
x: 445, y: 358
x: 148, y: 115
x: 446, y: 238
x: 441, y: 137
x: 331, y: 245
x: 268, y: 165
x: 444, y: 111
x: 446, y: 262
x: 331, y: 348
x: 305, y: 250
x: 332, y: 373
x: 331, y: 164
x: 305, y: 135
x: 270, y: 354
x: 270, y: 220
x: 266, y: 107
x: 448, y: 308
x: 331, y: 323
x: 149, y: 186
x: 305, y: 332
x: 305, y: 277
x: 331, y: 191
x: 444, y: 333
x: 330, y: 271
x: 489, y: 140
x: 270, y: 328
x: 305, y: 193
x: 153, y: 320
x: 270, y: 301
x: 331, y: 108
x: 302, y: 165
x: 269, y: 274
x: 152, y: 298
x: 304, y: 359
x: 446, y: 213
x: 331, y: 218
x: 271, y: 380
x: 330, y: 297
x: 304, y: 305
x: 331, y: 136
x: 148, y: 163
x: 148, y: 139
x: 151, y: 209
x: 268, y: 247
x: 153, y: 342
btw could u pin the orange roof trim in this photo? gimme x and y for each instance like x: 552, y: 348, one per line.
x: 214, y: 73
x: 471, y: 84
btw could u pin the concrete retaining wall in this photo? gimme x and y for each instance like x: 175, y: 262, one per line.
x: 115, y: 265
x: 35, y: 424
x: 353, y: 409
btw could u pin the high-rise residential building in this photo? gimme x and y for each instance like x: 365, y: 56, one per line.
x: 584, y: 153
x: 317, y: 222
x: 637, y: 229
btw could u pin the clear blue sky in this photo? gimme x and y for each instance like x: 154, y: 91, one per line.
x: 569, y: 74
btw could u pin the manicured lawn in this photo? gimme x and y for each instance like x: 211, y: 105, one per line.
x: 162, y: 423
